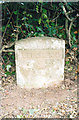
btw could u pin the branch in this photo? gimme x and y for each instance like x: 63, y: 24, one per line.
x: 66, y: 13
x: 7, y: 25
x: 6, y: 46
x: 8, y: 50
x: 71, y: 11
x: 3, y: 116
x: 56, y: 17
x: 10, y: 14
x: 66, y: 27
x: 69, y: 33
x: 21, y: 30
x: 17, y: 28
x: 47, y: 8
x: 70, y: 30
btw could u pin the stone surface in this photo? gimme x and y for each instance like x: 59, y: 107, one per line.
x: 39, y: 62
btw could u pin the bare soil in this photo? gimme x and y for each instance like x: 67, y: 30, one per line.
x: 52, y: 102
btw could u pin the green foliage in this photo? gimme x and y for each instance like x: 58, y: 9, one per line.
x: 31, y: 16
x: 15, y: 12
x: 33, y: 19
x: 74, y: 46
x: 67, y: 62
x: 9, y: 63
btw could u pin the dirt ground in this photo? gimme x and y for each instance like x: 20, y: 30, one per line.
x: 53, y: 102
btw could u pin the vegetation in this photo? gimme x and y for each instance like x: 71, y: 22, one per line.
x: 22, y: 20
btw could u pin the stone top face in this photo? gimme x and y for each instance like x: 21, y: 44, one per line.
x: 40, y: 43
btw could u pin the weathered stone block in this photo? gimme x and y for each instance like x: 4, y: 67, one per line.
x: 39, y: 62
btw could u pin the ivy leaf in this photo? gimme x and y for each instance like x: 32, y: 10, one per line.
x: 67, y: 62
x: 61, y: 28
x: 24, y: 31
x: 44, y: 15
x: 39, y: 21
x: 39, y: 29
x: 24, y: 12
x: 74, y: 46
x: 3, y: 28
x: 45, y: 11
x: 35, y: 34
x: 37, y: 9
x: 40, y: 34
x: 24, y: 18
x: 8, y: 67
x: 7, y: 73
x: 27, y: 25
x: 15, y: 12
x: 3, y: 66
x: 13, y: 73
x: 54, y: 31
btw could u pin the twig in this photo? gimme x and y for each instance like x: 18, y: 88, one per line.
x: 21, y: 30
x: 55, y: 13
x: 70, y: 30
x: 2, y: 60
x: 66, y: 13
x: 12, y: 26
x: 12, y: 19
x: 41, y: 8
x: 70, y: 11
x: 56, y: 22
x: 8, y: 113
x: 66, y: 24
x: 17, y: 28
x: 66, y: 27
x: 6, y: 46
x: 69, y: 33
x: 75, y: 90
x: 10, y: 14
x: 56, y: 17
x: 8, y: 50
x: 7, y: 25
